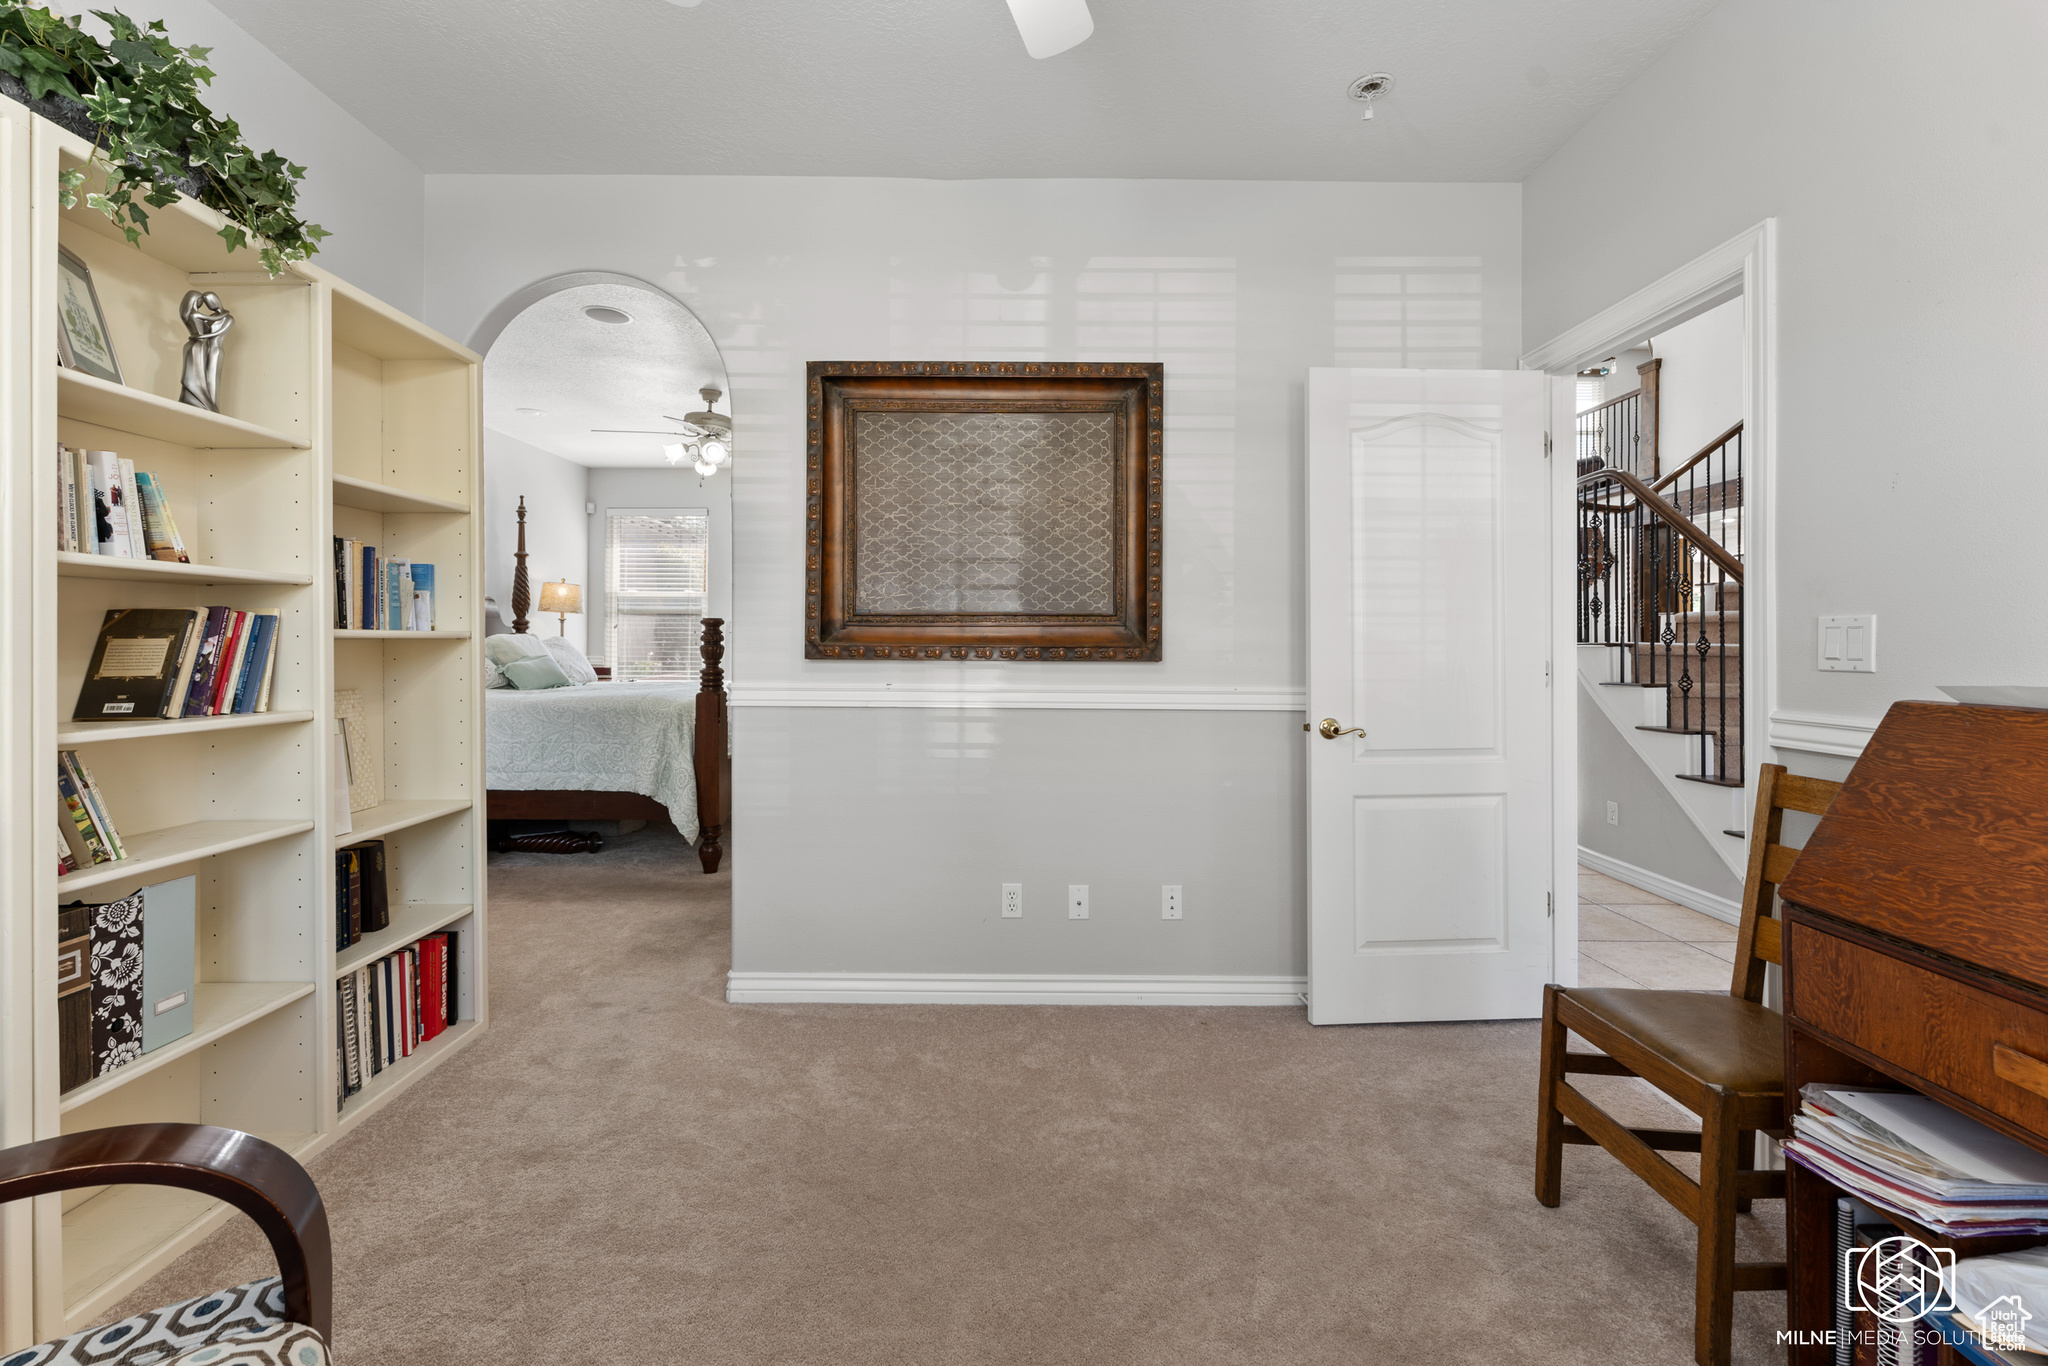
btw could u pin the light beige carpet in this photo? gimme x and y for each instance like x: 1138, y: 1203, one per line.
x: 625, y: 1168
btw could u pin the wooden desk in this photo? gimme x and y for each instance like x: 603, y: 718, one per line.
x: 1916, y: 953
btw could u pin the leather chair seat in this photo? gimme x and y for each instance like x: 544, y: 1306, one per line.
x: 1718, y: 1039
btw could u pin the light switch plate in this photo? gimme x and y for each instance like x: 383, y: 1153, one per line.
x: 1848, y: 644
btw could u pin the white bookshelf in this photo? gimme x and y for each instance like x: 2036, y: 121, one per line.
x: 340, y: 417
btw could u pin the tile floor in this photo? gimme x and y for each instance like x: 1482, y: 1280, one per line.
x: 1633, y: 938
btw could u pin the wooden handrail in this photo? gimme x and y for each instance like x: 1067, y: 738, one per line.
x: 1665, y: 512
x: 1716, y: 444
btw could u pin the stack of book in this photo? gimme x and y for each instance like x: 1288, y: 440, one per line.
x: 389, y: 1008
x: 179, y: 661
x: 362, y: 894
x: 105, y: 506
x: 89, y: 835
x: 1912, y: 1156
x: 124, y: 978
x: 372, y: 594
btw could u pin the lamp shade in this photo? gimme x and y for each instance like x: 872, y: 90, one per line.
x: 561, y: 597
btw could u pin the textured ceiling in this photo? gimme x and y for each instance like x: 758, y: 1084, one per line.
x: 582, y: 374
x: 1486, y: 89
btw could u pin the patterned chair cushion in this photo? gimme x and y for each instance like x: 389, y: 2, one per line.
x: 240, y: 1327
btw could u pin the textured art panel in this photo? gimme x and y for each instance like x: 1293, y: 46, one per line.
x: 985, y: 512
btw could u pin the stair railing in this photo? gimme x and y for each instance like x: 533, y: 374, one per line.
x: 1660, y: 577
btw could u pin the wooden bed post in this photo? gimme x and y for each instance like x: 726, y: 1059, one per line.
x: 714, y: 766
x: 519, y: 594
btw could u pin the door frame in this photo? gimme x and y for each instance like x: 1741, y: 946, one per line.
x: 1746, y: 266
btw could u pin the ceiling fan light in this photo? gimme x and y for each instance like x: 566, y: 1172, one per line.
x: 714, y: 451
x: 705, y: 467
x: 1050, y: 27
x: 675, y: 452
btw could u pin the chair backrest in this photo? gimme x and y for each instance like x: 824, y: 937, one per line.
x: 1760, y: 940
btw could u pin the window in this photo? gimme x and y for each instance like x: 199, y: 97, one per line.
x: 657, y: 561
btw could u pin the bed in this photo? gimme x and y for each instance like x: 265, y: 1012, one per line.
x: 651, y: 751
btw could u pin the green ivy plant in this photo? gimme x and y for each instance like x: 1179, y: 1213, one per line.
x: 152, y: 130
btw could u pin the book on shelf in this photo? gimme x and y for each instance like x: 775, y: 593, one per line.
x: 374, y: 593
x: 362, y: 893
x: 125, y: 974
x: 82, y: 814
x: 422, y: 576
x: 65, y: 862
x: 171, y: 662
x: 386, y: 1009
x: 106, y: 506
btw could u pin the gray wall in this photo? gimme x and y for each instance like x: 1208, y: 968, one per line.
x: 894, y: 828
x: 888, y: 830
x: 557, y: 530
x: 357, y: 185
x: 1912, y: 337
x: 1655, y: 833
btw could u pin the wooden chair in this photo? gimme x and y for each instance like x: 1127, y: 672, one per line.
x: 281, y: 1321
x: 1722, y: 1057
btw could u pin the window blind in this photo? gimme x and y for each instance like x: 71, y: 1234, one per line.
x: 657, y: 562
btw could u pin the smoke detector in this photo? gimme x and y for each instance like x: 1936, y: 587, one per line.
x: 1366, y: 89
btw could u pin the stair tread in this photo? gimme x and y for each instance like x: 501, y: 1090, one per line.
x: 1711, y: 782
x: 1674, y: 730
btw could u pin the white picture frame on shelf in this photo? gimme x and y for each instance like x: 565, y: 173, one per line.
x: 83, y: 342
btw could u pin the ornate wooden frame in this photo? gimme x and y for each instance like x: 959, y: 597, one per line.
x: 838, y: 389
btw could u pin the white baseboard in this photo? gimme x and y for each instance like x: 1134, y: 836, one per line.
x: 1706, y: 903
x: 995, y: 988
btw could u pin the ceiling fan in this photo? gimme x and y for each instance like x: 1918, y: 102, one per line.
x: 1049, y: 27
x: 707, y: 436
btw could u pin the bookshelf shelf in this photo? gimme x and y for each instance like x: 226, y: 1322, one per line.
x: 342, y: 418
x: 377, y: 821
x: 382, y: 1087
x: 70, y: 735
x: 88, y: 398
x: 409, y: 921
x: 177, y: 844
x: 218, y: 1008
x: 71, y: 565
x: 341, y: 633
x: 361, y: 493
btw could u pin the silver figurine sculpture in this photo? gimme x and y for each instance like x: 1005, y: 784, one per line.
x: 207, y: 321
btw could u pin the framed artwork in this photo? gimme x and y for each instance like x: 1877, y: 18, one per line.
x: 965, y: 510
x: 82, y: 339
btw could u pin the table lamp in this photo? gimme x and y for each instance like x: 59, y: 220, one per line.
x: 561, y: 598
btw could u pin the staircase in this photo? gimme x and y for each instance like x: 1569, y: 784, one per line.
x: 1660, y: 622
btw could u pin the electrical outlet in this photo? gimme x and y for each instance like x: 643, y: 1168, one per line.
x: 1013, y: 901
x: 1077, y: 901
x: 1614, y: 813
x: 1169, y: 902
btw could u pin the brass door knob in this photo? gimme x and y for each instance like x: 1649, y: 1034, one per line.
x: 1330, y: 730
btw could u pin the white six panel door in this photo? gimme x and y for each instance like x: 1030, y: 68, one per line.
x: 1430, y: 841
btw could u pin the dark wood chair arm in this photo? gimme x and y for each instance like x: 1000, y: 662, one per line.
x: 257, y: 1178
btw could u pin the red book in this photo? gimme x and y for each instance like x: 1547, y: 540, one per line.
x: 433, y: 1009
x: 224, y: 676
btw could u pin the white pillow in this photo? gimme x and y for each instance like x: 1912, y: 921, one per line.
x: 494, y: 677
x: 570, y: 658
x: 502, y: 650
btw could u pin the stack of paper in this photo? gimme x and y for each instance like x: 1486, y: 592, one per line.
x: 1914, y: 1156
